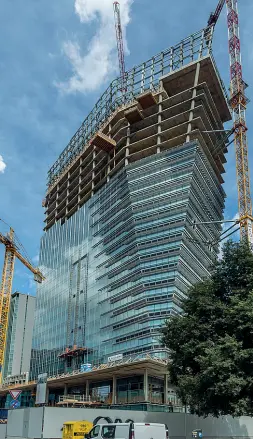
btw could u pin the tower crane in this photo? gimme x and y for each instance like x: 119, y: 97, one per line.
x: 13, y: 249
x: 238, y: 102
x: 120, y: 45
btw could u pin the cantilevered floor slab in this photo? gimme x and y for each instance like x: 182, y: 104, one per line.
x: 183, y: 78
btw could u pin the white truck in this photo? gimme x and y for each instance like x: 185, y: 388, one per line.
x: 132, y: 430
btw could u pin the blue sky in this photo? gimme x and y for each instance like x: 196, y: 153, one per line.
x: 57, y: 56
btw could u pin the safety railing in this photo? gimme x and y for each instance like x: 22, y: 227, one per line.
x: 143, y: 77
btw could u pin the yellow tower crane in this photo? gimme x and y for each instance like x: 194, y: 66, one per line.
x: 13, y: 249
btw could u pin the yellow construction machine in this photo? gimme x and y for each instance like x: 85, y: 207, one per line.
x: 76, y: 429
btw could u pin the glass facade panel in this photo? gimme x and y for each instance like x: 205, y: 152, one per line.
x: 120, y: 266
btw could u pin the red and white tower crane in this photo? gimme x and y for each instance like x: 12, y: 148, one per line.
x: 120, y: 45
x: 238, y: 102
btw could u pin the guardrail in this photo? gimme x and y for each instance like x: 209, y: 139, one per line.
x: 139, y: 79
x: 104, y: 366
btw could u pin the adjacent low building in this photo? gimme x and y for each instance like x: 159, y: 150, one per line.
x: 19, y: 339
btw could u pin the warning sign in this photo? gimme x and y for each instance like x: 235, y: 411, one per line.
x: 15, y: 393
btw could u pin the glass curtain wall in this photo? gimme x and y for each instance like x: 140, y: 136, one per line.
x: 121, y: 265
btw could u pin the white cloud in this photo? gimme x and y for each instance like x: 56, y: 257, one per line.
x: 235, y: 217
x: 2, y: 165
x: 35, y: 259
x: 92, y: 69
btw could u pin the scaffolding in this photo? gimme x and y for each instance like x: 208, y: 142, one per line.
x: 139, y: 80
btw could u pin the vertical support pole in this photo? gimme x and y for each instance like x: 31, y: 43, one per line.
x: 181, y: 55
x: 67, y: 209
x: 194, y: 94
x: 151, y: 85
x: 87, y: 390
x: 43, y: 422
x: 192, y: 48
x: 165, y: 389
x: 93, y: 172
x: 108, y: 161
x: 145, y: 385
x: 57, y: 196
x: 171, y: 59
x: 159, y: 128
x: 109, y: 130
x: 127, y: 144
x: 114, y: 390
x: 143, y: 77
x: 108, y: 170
x: 114, y: 154
x: 65, y: 389
x: 185, y: 423
x: 162, y: 64
x: 47, y: 396
x: 79, y: 181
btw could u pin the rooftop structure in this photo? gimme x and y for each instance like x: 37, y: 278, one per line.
x: 85, y: 164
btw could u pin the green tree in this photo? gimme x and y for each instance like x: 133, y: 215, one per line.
x: 211, y: 343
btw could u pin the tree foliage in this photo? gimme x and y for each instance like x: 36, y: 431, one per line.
x: 211, y: 344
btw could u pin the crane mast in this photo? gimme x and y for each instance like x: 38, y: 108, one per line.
x: 215, y: 16
x: 5, y: 297
x: 120, y: 45
x: 11, y: 252
x: 238, y: 102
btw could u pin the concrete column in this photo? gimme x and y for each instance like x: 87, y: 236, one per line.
x: 108, y: 171
x: 47, y: 396
x: 127, y: 144
x: 194, y: 94
x: 126, y: 158
x: 65, y: 389
x: 93, y: 172
x: 114, y: 389
x: 165, y: 388
x: 145, y: 385
x: 159, y: 128
x: 109, y: 167
x: 79, y: 189
x: 87, y: 390
x: 57, y: 194
x: 114, y: 154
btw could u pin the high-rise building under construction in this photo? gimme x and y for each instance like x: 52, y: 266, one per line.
x: 119, y: 250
